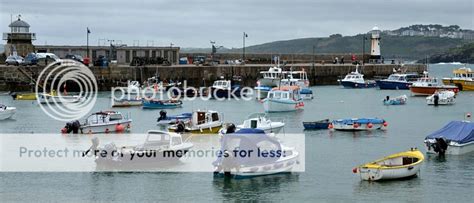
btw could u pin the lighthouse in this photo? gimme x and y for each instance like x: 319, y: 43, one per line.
x: 375, y: 56
x: 19, y: 39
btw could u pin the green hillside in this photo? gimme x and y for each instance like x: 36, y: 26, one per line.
x: 464, y: 54
x: 407, y: 47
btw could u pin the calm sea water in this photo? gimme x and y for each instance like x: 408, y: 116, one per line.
x: 330, y: 156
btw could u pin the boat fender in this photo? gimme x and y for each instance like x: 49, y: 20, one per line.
x: 119, y: 128
x: 385, y: 124
x: 370, y: 125
x: 64, y: 130
x: 355, y: 125
x: 330, y: 126
x: 354, y: 170
x: 106, y: 130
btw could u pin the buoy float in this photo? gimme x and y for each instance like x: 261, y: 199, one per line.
x: 330, y: 126
x: 468, y: 115
x: 385, y: 124
x: 119, y: 128
x: 354, y: 170
x: 106, y: 130
x: 355, y: 125
x: 90, y: 131
x: 128, y: 126
x: 63, y: 130
x: 370, y: 125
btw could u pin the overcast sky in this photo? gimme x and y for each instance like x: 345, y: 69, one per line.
x: 193, y: 23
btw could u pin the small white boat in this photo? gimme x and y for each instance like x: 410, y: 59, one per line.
x: 161, y: 147
x: 126, y: 102
x: 455, y: 138
x: 396, y: 166
x: 58, y: 99
x: 201, y: 122
x: 246, y: 139
x: 106, y: 122
x: 271, y: 78
x: 444, y: 97
x: 283, y: 99
x: 6, y: 112
x: 260, y: 121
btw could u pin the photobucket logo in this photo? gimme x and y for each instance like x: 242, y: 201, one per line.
x: 159, y: 92
x: 59, y: 104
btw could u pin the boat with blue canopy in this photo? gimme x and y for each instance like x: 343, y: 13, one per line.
x: 161, y: 104
x: 456, y: 138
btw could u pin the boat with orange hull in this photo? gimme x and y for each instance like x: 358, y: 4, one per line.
x: 427, y: 86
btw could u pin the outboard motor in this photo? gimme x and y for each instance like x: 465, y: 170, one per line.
x: 230, y: 129
x: 387, y: 98
x: 72, y: 127
x: 162, y: 115
x: 436, y: 99
x: 180, y: 127
x: 440, y: 146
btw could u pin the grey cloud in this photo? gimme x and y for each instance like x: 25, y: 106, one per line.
x: 192, y: 23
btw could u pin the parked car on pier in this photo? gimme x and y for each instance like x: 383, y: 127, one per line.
x: 75, y: 57
x: 30, y: 59
x: 14, y: 60
x: 46, y: 58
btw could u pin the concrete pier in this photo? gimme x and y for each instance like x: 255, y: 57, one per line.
x: 18, y: 78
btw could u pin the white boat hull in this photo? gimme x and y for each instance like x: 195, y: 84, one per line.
x: 388, y: 174
x: 105, y: 128
x: 455, y: 149
x: 7, y: 113
x: 279, y: 106
x: 269, y: 82
x: 59, y: 99
x: 282, y: 165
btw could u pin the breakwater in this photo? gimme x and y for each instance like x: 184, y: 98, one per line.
x: 20, y: 78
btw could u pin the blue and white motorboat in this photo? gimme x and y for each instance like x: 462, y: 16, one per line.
x: 400, y: 100
x: 173, y: 119
x: 456, y: 138
x: 359, y: 124
x: 283, y: 99
x: 356, y: 80
x: 225, y: 89
x: 161, y: 104
x: 283, y: 160
x: 398, y: 81
x: 6, y: 112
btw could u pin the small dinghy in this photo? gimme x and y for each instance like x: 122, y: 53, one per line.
x: 170, y: 120
x: 6, y: 112
x: 247, y: 139
x: 359, y: 124
x: 159, y: 147
x: 260, y: 121
x: 444, y: 97
x: 161, y: 104
x: 317, y: 125
x: 58, y: 99
x: 401, y: 165
x: 400, y: 100
x: 127, y: 102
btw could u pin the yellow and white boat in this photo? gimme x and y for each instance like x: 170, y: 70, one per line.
x: 202, y: 122
x: 29, y: 96
x: 463, y: 79
x: 396, y: 166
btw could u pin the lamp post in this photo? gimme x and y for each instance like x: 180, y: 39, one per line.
x: 243, y: 50
x: 88, y: 32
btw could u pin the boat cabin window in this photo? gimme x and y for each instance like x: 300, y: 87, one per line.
x: 201, y: 117
x: 393, y: 77
x: 215, y: 117
x: 115, y: 117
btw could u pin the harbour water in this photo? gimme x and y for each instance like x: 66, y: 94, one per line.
x: 330, y: 156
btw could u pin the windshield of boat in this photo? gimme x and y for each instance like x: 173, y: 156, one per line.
x: 353, y: 76
x: 279, y: 95
x: 157, y: 138
x: 221, y: 83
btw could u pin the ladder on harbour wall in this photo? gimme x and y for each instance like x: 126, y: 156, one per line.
x: 29, y: 76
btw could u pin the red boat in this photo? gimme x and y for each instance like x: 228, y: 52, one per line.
x: 427, y: 86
